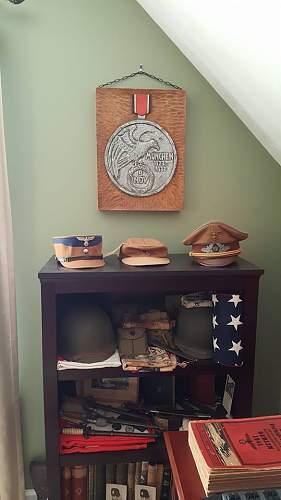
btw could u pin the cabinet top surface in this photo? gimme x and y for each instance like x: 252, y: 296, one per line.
x: 180, y: 265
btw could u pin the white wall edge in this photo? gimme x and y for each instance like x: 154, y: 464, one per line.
x: 235, y: 45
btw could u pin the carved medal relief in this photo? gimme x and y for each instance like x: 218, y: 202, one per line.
x: 139, y: 160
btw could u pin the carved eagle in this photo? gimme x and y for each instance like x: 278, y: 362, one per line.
x: 130, y: 146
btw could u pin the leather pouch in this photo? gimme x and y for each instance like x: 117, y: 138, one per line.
x: 132, y: 341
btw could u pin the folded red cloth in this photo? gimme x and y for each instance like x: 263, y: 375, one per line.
x: 80, y: 444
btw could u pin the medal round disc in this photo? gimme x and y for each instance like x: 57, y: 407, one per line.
x: 140, y: 158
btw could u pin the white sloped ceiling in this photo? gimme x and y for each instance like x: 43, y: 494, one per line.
x: 236, y: 46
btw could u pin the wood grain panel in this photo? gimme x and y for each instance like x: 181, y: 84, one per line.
x: 114, y: 108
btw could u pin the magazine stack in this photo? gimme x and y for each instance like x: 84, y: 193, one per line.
x: 237, y: 454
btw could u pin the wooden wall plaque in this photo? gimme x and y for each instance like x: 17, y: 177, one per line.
x: 140, y: 152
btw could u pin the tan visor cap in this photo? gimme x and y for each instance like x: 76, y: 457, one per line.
x: 144, y: 252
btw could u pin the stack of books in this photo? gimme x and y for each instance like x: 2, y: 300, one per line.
x: 240, y: 454
x: 96, y: 482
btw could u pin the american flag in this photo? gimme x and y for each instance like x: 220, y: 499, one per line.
x: 227, y: 329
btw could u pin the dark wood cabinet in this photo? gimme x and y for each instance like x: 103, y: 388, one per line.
x: 181, y: 276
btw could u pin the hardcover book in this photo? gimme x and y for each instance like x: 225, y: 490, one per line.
x: 237, y: 454
x: 110, y: 473
x: 144, y: 471
x: 131, y: 480
x: 122, y: 473
x: 165, y: 490
x: 66, y: 483
x: 138, y: 472
x: 79, y: 482
x: 151, y: 474
x: 159, y: 480
x: 91, y: 482
x: 99, y: 486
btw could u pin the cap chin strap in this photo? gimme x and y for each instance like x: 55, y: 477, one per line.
x: 80, y: 257
x: 115, y: 251
x: 214, y: 255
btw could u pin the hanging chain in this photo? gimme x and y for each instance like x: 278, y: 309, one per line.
x: 140, y: 72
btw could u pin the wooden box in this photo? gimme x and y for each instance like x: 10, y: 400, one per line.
x: 110, y: 389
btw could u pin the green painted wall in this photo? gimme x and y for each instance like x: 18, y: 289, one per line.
x: 53, y: 54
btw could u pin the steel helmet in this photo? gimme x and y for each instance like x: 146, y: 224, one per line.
x: 193, y: 334
x: 86, y: 334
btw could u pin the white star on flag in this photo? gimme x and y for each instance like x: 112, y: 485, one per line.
x: 235, y: 321
x: 235, y: 299
x: 214, y: 299
x: 215, y: 322
x: 236, y: 347
x: 215, y: 344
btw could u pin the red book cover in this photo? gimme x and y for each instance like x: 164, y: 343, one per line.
x: 247, y: 442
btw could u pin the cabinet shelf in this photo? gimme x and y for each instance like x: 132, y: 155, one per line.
x: 204, y: 366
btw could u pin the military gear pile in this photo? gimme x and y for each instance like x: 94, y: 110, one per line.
x: 155, y: 359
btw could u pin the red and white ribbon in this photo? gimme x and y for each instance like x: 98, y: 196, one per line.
x: 141, y: 105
